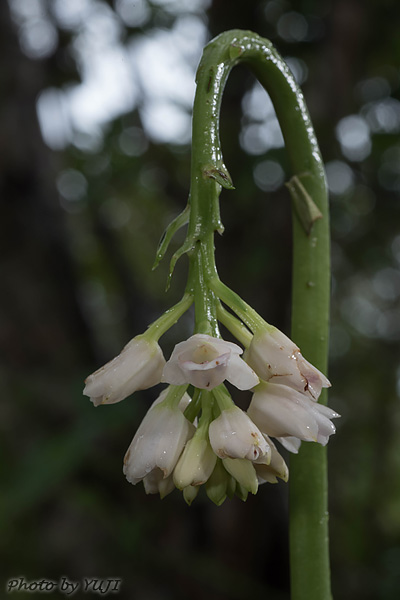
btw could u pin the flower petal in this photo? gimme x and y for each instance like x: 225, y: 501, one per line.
x: 292, y: 444
x: 173, y: 374
x: 314, y: 378
x: 155, y: 483
x: 240, y: 374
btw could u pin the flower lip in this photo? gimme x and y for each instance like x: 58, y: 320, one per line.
x: 205, y: 362
x: 203, y: 353
x: 220, y: 361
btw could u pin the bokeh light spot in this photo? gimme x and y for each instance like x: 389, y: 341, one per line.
x: 292, y: 27
x: 354, y: 137
x: 268, y: 175
x: 340, y: 177
x: 38, y: 38
x: 72, y: 186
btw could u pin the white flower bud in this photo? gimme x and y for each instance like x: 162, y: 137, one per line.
x: 275, y: 357
x: 196, y: 463
x: 280, y: 411
x: 138, y: 367
x: 206, y: 362
x: 190, y: 494
x: 243, y: 471
x: 157, y: 444
x: 235, y: 435
x: 218, y: 484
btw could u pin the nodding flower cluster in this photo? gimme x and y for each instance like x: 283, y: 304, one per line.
x: 194, y: 434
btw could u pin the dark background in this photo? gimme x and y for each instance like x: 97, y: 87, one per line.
x: 85, y: 196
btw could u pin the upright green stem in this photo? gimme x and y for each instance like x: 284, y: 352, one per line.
x: 310, y: 577
x: 308, y: 489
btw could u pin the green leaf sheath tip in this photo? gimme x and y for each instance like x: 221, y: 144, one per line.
x: 221, y: 176
x: 306, y: 209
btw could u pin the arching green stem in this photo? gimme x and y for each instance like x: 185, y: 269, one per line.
x: 308, y: 496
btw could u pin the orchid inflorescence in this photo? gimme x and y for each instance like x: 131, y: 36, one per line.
x: 194, y: 434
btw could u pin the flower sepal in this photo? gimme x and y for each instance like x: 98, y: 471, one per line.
x: 190, y: 493
x: 156, y: 483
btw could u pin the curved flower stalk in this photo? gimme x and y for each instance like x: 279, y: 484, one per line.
x: 204, y: 439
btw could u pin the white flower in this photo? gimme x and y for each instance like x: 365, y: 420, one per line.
x: 157, y: 444
x: 138, y: 367
x: 274, y: 356
x: 196, y: 463
x: 233, y: 434
x: 206, y: 362
x: 280, y: 411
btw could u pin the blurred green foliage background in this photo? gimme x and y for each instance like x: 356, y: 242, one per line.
x: 95, y: 109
